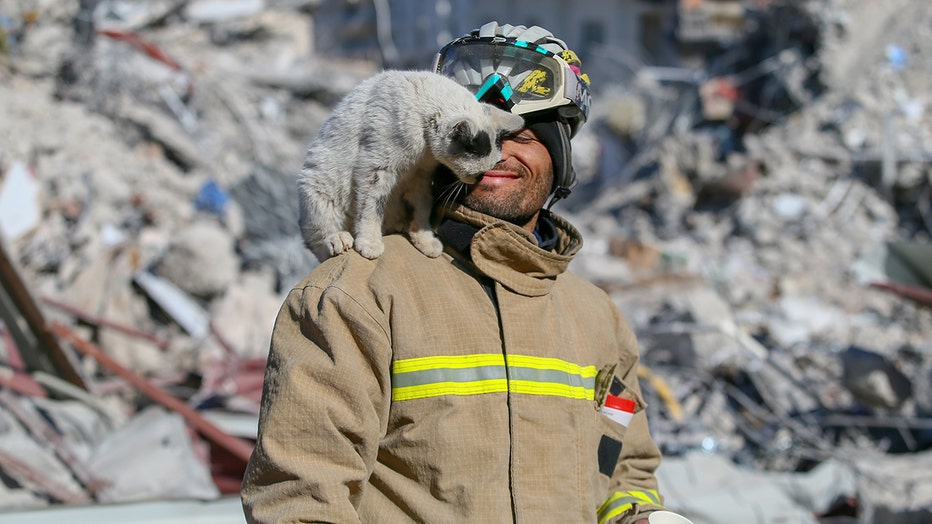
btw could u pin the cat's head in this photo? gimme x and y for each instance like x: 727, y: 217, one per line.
x: 471, y: 143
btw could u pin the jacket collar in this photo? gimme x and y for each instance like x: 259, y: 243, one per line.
x: 507, y: 253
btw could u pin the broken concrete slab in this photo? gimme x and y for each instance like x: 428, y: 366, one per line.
x: 156, y: 442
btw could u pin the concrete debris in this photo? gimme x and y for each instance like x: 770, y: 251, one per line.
x: 223, y: 510
x: 19, y: 201
x: 201, y: 260
x: 181, y: 307
x: 155, y: 442
x: 760, y: 212
x: 711, y: 489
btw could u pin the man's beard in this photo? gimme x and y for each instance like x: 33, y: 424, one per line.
x: 509, y: 210
x: 517, y: 207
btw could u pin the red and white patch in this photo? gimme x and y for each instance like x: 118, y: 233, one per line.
x: 619, y: 409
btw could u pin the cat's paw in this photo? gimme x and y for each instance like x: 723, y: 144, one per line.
x: 370, y: 248
x: 427, y: 243
x: 339, y: 243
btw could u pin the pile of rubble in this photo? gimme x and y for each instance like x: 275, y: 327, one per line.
x: 773, y: 258
x: 778, y: 269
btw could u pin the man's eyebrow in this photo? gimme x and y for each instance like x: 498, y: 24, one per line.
x: 525, y: 133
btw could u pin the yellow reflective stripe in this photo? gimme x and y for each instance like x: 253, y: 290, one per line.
x: 574, y: 381
x: 621, y: 502
x: 450, y: 388
x: 551, y: 363
x: 477, y: 374
x: 552, y: 390
x: 461, y: 361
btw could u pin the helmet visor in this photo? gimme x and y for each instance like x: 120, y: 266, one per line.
x: 524, y: 77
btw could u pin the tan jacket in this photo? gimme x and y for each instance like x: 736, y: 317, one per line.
x: 400, y: 390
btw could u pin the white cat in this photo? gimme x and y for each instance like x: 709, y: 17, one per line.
x: 369, y: 168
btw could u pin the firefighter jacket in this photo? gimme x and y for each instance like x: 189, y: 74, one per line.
x: 464, y: 388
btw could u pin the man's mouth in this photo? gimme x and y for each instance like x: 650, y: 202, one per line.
x: 500, y: 174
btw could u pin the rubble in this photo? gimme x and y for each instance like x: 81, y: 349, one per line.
x: 763, y: 221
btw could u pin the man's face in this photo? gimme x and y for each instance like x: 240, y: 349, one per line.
x: 518, y: 186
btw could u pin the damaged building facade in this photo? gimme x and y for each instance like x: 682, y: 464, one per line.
x: 755, y: 193
x: 608, y: 35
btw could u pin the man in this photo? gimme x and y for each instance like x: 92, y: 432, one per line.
x: 485, y: 385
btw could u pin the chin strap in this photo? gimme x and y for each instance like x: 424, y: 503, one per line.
x: 563, y: 191
x: 558, y: 194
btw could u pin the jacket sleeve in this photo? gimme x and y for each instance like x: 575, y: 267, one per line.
x: 634, y: 491
x: 324, y: 407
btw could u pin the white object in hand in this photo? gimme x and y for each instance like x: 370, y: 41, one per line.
x: 667, y: 517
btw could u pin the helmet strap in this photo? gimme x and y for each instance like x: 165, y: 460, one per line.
x: 558, y: 194
x: 568, y: 175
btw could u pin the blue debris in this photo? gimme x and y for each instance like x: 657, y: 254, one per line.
x: 897, y: 57
x: 211, y: 198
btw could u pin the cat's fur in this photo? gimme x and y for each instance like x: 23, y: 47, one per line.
x: 369, y: 168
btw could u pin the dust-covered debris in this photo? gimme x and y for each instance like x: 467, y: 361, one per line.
x: 761, y: 216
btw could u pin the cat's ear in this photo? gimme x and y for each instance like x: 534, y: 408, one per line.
x: 505, y: 120
x: 462, y: 129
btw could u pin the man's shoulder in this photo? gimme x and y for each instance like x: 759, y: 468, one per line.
x: 585, y: 294
x: 401, y: 276
x: 582, y: 285
x: 351, y: 268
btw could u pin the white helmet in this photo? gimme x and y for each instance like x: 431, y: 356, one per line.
x: 531, y: 73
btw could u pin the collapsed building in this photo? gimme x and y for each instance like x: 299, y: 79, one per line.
x: 760, y: 211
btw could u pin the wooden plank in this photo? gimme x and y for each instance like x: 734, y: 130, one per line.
x: 38, y: 346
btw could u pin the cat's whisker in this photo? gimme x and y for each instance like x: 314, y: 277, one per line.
x: 447, y: 194
x: 458, y: 190
x: 450, y: 193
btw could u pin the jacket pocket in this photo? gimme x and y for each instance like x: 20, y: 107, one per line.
x: 614, y: 412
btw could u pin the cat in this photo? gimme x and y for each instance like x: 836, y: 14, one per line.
x: 368, y: 170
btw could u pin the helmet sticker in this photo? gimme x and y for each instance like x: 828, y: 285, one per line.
x: 536, y: 83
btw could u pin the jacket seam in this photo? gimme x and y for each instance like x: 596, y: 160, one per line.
x: 323, y: 291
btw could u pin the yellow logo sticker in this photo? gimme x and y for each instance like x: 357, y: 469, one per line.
x: 536, y: 83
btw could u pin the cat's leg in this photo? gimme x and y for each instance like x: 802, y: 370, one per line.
x: 419, y: 199
x: 339, y: 242
x: 371, y: 196
x: 322, y: 222
x: 326, y: 242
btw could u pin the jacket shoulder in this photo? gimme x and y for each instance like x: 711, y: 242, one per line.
x: 353, y: 271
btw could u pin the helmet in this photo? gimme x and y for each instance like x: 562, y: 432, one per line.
x: 526, y: 70
x: 531, y: 73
